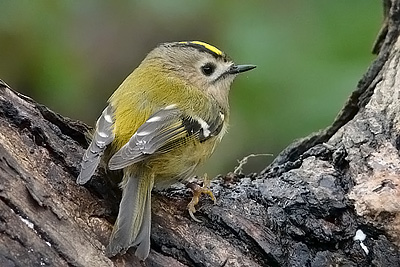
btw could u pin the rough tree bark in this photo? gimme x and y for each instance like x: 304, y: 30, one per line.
x: 302, y: 210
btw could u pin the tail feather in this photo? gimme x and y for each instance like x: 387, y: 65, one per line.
x: 143, y: 237
x: 132, y: 227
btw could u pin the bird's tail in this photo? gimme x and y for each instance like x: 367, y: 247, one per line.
x: 132, y: 227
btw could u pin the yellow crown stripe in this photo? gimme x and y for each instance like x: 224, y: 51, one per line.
x: 207, y: 46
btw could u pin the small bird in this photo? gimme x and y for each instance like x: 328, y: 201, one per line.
x: 161, y: 123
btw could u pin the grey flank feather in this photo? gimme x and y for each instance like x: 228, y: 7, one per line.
x: 159, y: 129
x: 132, y: 227
x: 102, y: 137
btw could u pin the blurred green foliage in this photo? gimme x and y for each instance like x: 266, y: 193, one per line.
x: 71, y: 55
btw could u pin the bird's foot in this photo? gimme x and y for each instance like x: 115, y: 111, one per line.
x: 197, y: 191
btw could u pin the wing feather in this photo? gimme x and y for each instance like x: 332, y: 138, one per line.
x: 102, y: 137
x: 163, y: 131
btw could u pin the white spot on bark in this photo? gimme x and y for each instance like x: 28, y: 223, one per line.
x: 360, y: 236
x: 27, y: 222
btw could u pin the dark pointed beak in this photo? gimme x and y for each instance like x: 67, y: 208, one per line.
x: 235, y: 69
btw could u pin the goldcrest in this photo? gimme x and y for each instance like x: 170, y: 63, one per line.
x: 162, y: 122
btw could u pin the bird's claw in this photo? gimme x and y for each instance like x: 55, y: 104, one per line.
x: 197, y: 191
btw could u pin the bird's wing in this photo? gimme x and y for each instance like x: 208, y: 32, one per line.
x: 102, y: 137
x: 163, y: 131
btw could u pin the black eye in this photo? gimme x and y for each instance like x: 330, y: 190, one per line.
x: 208, y: 69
